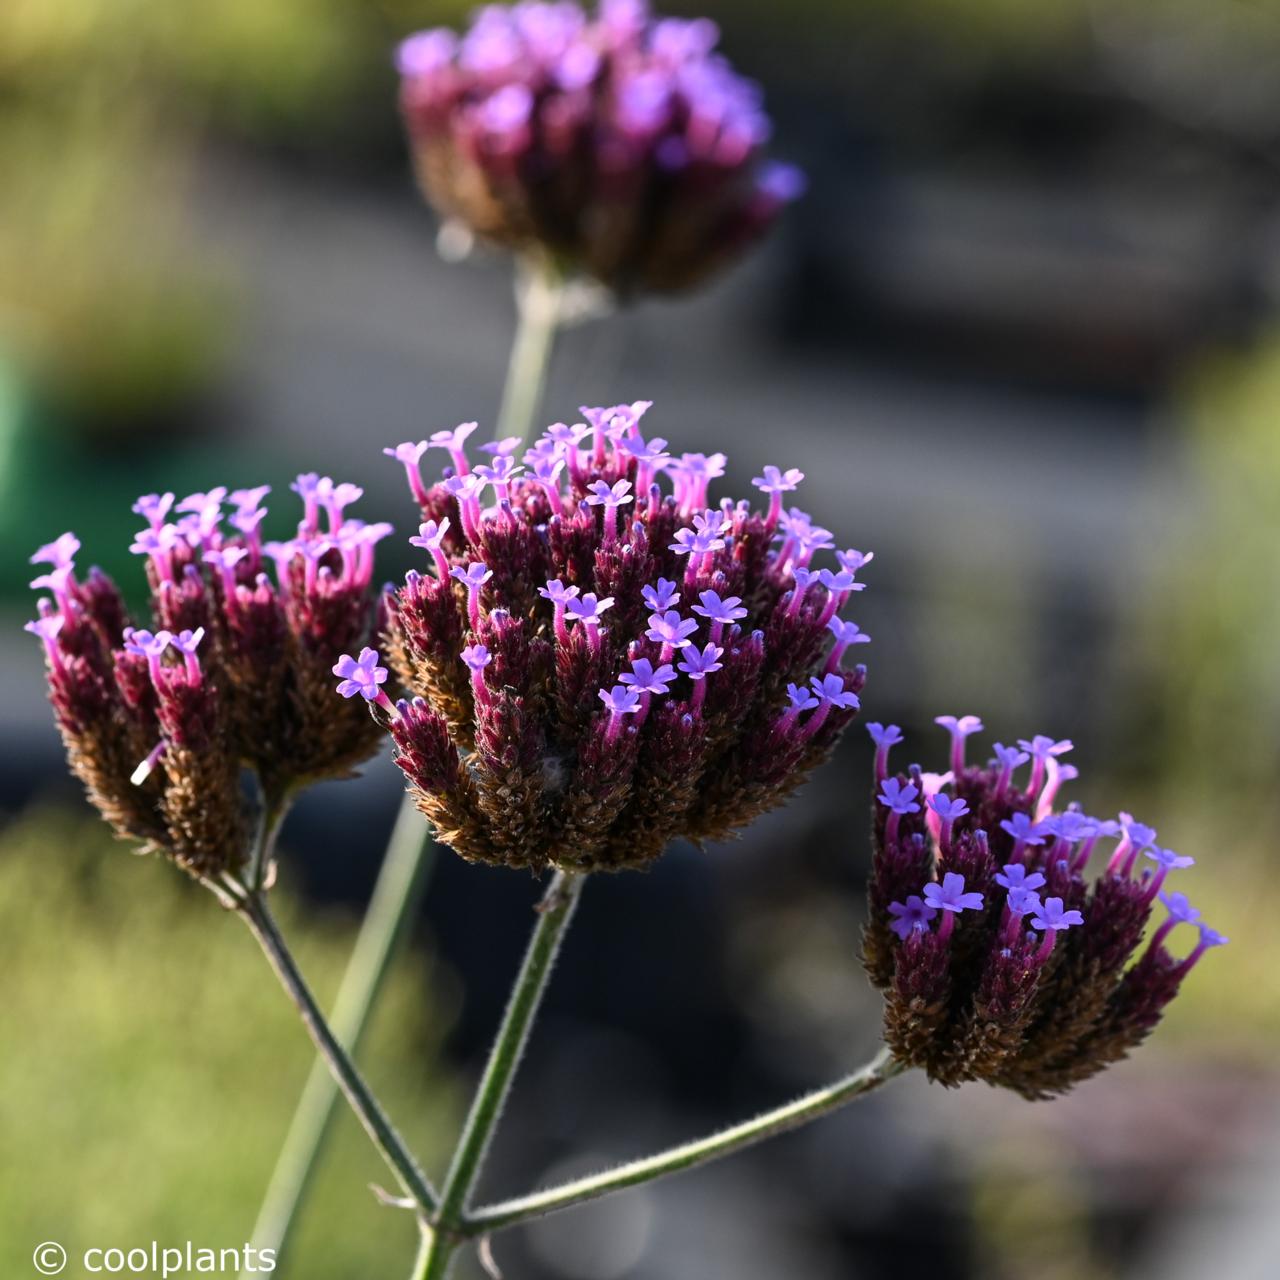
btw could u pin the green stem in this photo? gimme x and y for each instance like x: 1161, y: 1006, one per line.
x: 257, y: 916
x: 690, y: 1155
x: 555, y: 911
x: 539, y: 294
x: 408, y: 860
x: 435, y: 1257
x: 402, y: 880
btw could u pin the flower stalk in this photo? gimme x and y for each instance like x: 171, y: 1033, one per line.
x: 410, y: 854
x: 449, y: 1220
x: 401, y: 884
x: 253, y: 909
x: 690, y: 1155
x: 539, y: 291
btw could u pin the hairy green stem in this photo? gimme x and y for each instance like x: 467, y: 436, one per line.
x: 255, y: 913
x: 407, y: 863
x: 539, y: 296
x: 554, y: 914
x: 402, y: 881
x: 690, y: 1155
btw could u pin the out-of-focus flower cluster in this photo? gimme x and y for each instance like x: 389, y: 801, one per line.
x: 624, y: 147
x: 999, y: 959
x: 602, y: 661
x: 234, y: 670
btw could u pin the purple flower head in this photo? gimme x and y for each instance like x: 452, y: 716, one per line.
x: 60, y: 553
x: 502, y: 470
x: 452, y: 440
x: 474, y: 576
x: 620, y: 700
x: 502, y: 448
x: 568, y: 437
x: 617, y: 495
x: 507, y: 111
x: 652, y: 451
x: 830, y: 689
x: 361, y: 675
x: 950, y: 894
x: 814, y: 539
x: 149, y: 645
x: 661, y: 597
x: 1023, y: 829
x: 1010, y: 757
x: 426, y: 53
x: 946, y: 808
x: 1140, y: 835
x: 476, y: 657
x: 1071, y: 826
x: 1053, y: 917
x: 960, y: 727
x: 1168, y: 860
x: 670, y: 629
x: 58, y: 581
x: 697, y: 664
x: 775, y: 481
x: 847, y: 633
x: 804, y: 578
x: 465, y: 487
x: 801, y: 699
x: 557, y: 592
x: 246, y: 500
x: 899, y: 797
x: 545, y: 468
x: 852, y: 560
x: 691, y: 543
x: 884, y: 735
x: 1180, y: 908
x: 153, y: 508
x: 841, y: 583
x: 247, y: 521
x: 206, y: 508
x: 588, y: 608
x: 714, y: 609
x: 431, y: 534
x: 1015, y: 876
x: 1023, y: 900
x: 1040, y: 747
x: 703, y: 466
x: 912, y: 916
x: 643, y: 677
x: 187, y: 641
x: 47, y: 627
x: 1212, y: 938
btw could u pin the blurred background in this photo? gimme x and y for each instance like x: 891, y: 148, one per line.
x: 1023, y: 335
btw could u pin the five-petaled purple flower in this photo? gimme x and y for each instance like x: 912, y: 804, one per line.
x: 950, y: 895
x: 670, y: 631
x: 363, y: 676
x: 645, y: 678
x: 960, y: 728
x: 912, y: 916
x: 619, y: 701
x: 661, y: 596
x: 1015, y: 876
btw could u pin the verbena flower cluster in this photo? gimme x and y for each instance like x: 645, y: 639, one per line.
x: 624, y: 146
x: 999, y: 958
x: 232, y: 668
x: 598, y: 658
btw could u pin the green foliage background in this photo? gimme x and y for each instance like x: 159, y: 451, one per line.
x: 149, y: 1064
